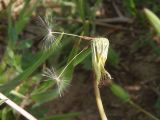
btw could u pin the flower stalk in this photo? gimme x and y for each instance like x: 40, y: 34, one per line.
x: 99, y: 57
x: 99, y: 101
x: 74, y: 35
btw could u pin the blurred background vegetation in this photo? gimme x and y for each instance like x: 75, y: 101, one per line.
x: 133, y: 29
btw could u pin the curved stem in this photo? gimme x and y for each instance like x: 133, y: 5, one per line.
x: 74, y: 35
x: 99, y: 102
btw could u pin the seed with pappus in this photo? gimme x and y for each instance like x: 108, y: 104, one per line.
x: 60, y: 82
x: 99, y: 56
x: 46, y: 27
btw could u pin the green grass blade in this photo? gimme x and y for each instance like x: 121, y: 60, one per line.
x: 45, y: 55
x: 2, y: 101
x: 66, y: 116
x: 7, y: 114
x: 154, y: 20
x: 113, y: 57
x: 24, y: 9
x: 131, y: 6
x: 81, y: 57
x: 81, y: 6
x: 51, y: 94
x: 25, y: 14
x: 44, y: 97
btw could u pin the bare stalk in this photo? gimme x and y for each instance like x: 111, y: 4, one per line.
x: 17, y: 108
x: 74, y: 35
x: 70, y: 62
x: 99, y: 102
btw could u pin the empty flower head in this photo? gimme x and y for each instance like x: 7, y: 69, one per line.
x: 60, y: 82
x: 46, y: 27
x: 99, y: 56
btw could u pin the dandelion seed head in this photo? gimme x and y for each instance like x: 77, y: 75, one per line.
x: 46, y: 29
x: 60, y: 82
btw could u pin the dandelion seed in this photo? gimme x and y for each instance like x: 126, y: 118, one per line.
x: 60, y: 82
x: 46, y: 27
x: 58, y: 78
x: 99, y: 56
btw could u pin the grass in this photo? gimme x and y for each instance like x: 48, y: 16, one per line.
x: 21, y: 66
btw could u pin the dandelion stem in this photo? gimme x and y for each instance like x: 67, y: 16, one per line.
x: 17, y: 108
x: 70, y: 62
x: 99, y: 101
x: 74, y: 35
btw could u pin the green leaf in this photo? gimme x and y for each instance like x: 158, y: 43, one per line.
x: 157, y: 106
x: 66, y: 116
x: 24, y: 44
x: 81, y: 6
x: 2, y: 101
x: 156, y: 49
x: 25, y: 15
x: 67, y: 74
x: 154, y: 20
x: 7, y: 114
x: 43, y: 87
x: 12, y: 35
x: 44, y: 96
x: 26, y: 73
x: 119, y: 92
x: 113, y: 57
x: 82, y: 56
x: 74, y: 50
x: 131, y: 7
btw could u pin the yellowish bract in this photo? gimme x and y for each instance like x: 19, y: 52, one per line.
x: 99, y: 56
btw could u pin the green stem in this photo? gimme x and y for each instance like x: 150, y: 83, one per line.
x: 99, y: 101
x: 142, y: 110
x: 70, y: 62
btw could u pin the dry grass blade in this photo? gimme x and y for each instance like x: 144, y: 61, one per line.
x: 17, y: 108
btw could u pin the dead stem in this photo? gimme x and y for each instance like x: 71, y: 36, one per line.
x: 104, y: 23
x: 17, y: 108
x: 74, y: 35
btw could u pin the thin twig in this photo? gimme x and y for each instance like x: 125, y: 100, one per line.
x: 142, y: 110
x: 74, y: 35
x: 99, y: 102
x: 96, y: 22
x: 121, y: 19
x: 17, y: 108
x: 117, y: 9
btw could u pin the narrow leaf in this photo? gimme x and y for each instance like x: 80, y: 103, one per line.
x: 154, y: 20
x: 23, y: 76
